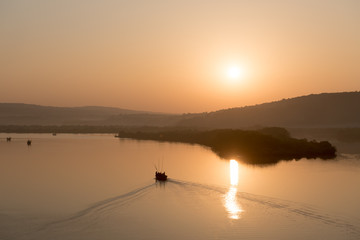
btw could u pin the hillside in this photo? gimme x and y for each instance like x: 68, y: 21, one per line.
x: 320, y: 110
x: 29, y: 114
x: 327, y: 110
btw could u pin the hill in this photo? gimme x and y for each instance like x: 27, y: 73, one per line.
x: 316, y: 110
x: 327, y: 110
x: 29, y: 114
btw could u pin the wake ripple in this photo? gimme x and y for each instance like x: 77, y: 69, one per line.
x: 102, y: 207
x: 350, y: 225
x: 288, y: 207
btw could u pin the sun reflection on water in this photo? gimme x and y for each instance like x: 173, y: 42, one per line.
x: 233, y: 208
x: 234, y: 173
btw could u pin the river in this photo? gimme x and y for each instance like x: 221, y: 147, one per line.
x: 96, y: 186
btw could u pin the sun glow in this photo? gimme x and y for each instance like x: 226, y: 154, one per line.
x: 234, y: 172
x: 234, y: 72
x: 233, y: 208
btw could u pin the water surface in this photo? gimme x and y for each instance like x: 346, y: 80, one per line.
x: 100, y: 187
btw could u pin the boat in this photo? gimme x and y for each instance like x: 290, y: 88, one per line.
x: 28, y: 142
x: 160, y: 176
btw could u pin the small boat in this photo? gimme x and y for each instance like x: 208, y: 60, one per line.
x: 8, y: 139
x: 54, y: 134
x: 160, y: 176
x: 28, y: 142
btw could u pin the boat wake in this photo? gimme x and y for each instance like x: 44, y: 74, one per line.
x: 350, y: 225
x: 102, y: 208
x: 174, y: 194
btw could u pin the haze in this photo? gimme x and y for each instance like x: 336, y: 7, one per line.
x: 176, y: 56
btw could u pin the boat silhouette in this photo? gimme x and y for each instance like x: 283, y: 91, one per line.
x: 160, y: 176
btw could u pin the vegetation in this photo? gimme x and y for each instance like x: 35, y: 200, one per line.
x: 348, y: 135
x: 265, y: 146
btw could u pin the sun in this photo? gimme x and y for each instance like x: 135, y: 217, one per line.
x: 234, y: 73
x: 231, y: 75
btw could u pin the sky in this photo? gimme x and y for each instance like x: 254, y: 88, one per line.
x: 176, y: 56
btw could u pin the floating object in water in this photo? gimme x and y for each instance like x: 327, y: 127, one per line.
x: 28, y: 142
x: 54, y: 134
x: 160, y: 176
x: 8, y: 139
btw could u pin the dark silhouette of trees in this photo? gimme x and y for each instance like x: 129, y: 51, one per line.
x: 264, y: 146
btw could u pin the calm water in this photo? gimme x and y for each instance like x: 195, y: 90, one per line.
x: 100, y: 187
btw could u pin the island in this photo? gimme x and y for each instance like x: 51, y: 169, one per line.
x: 263, y: 146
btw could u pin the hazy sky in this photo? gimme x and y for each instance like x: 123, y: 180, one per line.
x: 174, y: 56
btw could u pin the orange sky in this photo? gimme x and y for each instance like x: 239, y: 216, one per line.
x: 173, y: 56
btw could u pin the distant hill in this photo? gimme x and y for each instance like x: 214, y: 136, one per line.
x: 327, y: 110
x: 316, y: 110
x: 29, y: 114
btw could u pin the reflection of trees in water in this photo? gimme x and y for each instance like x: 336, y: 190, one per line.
x: 264, y: 146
